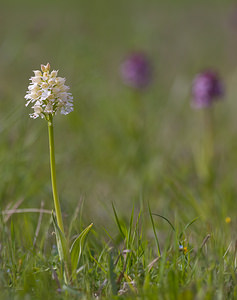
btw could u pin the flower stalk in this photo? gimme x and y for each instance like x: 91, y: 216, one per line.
x: 48, y: 95
x: 207, y: 88
x: 53, y: 174
x: 207, y: 149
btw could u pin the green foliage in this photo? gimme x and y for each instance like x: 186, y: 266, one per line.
x: 77, y: 248
x: 112, y: 276
x: 154, y: 230
x: 118, y: 146
x: 62, y: 244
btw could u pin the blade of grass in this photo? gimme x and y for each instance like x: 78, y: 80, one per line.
x: 112, y: 276
x: 186, y: 227
x: 118, y: 223
x: 77, y: 246
x: 154, y: 230
x: 165, y: 220
x: 130, y: 229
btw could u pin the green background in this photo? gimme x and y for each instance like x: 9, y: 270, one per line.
x: 99, y: 159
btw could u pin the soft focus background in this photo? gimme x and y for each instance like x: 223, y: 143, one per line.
x: 99, y: 158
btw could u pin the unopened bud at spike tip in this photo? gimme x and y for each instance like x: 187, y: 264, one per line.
x: 45, y: 68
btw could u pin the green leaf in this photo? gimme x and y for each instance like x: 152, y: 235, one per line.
x: 112, y: 276
x: 117, y: 221
x: 71, y: 290
x: 164, y: 219
x: 77, y: 246
x: 130, y: 229
x: 186, y: 227
x: 154, y: 230
x: 61, y: 241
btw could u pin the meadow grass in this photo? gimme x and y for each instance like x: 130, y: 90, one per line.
x: 159, y: 231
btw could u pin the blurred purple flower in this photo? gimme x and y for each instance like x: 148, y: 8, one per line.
x: 207, y: 88
x: 136, y: 71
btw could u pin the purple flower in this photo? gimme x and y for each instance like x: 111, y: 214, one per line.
x: 207, y: 88
x: 136, y: 71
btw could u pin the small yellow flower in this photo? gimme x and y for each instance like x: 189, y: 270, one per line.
x: 185, y: 250
x: 227, y: 220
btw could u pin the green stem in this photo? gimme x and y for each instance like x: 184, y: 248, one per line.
x: 209, y: 142
x: 53, y: 175
x: 209, y: 133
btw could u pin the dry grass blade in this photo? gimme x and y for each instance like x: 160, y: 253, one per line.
x: 38, y: 224
x: 24, y: 210
x: 98, y: 293
x: 55, y: 277
x: 235, y: 252
x: 205, y: 240
x: 227, y: 250
x: 12, y: 211
x: 150, y: 266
